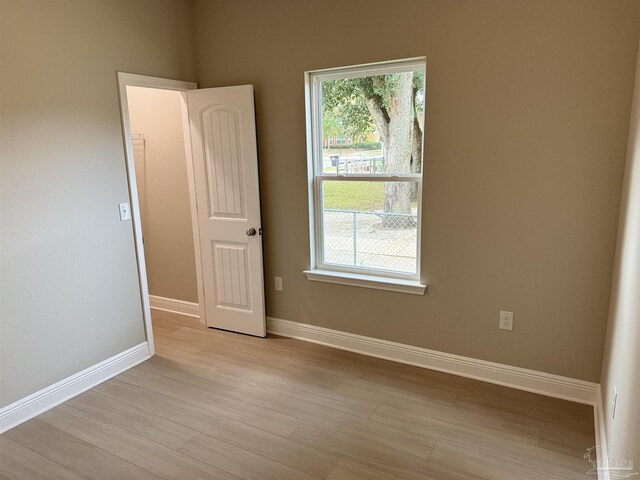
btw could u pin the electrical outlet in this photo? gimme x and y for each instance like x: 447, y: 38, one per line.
x: 614, y: 402
x: 506, y: 320
x: 278, y: 283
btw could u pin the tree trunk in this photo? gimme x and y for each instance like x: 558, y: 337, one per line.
x: 380, y: 117
x: 416, y: 155
x: 396, y: 129
x: 397, y: 195
x: 416, y: 147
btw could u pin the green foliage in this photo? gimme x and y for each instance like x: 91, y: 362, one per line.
x: 367, y: 145
x: 332, y: 126
x: 379, y: 88
x: 344, y: 111
x: 418, y: 89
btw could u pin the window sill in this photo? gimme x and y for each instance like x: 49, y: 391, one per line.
x: 367, y: 281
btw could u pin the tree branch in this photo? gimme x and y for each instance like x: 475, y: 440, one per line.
x: 416, y: 147
x: 380, y: 116
x: 416, y: 138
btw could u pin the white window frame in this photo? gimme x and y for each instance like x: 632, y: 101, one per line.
x: 347, y: 275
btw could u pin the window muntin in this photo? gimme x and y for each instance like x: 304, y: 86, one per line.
x: 366, y: 184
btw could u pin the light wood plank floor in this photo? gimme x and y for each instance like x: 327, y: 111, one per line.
x: 217, y: 405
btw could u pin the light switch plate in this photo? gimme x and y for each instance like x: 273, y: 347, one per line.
x: 125, y: 211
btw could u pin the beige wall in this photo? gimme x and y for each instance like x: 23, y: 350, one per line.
x: 69, y: 285
x: 527, y: 119
x: 161, y: 171
x: 527, y: 116
x: 621, y: 365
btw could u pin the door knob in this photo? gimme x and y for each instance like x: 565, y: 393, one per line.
x: 251, y: 232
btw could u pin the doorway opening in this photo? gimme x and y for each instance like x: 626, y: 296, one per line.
x: 163, y: 197
x: 159, y: 167
x: 192, y: 168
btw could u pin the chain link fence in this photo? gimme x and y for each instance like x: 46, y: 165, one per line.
x: 386, y: 241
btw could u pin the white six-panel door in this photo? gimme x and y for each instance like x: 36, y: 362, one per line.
x: 225, y: 162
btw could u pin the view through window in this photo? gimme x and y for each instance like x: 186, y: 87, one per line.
x: 367, y: 126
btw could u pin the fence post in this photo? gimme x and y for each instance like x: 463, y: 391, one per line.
x: 355, y: 233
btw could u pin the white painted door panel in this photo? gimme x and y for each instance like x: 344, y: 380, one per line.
x: 225, y: 161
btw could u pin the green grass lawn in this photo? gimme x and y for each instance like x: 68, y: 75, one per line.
x: 367, y: 196
x: 362, y: 196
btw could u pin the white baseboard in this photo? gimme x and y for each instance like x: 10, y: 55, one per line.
x: 601, y: 437
x: 515, y: 377
x: 172, y: 305
x: 47, y: 398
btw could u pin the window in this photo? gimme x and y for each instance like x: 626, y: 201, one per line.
x: 365, y: 136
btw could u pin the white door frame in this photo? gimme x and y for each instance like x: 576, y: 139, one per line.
x: 129, y: 79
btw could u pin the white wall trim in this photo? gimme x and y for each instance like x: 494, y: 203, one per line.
x: 47, y: 398
x: 172, y: 305
x: 367, y: 281
x: 515, y: 377
x: 601, y: 437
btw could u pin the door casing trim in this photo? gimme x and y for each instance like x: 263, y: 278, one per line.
x: 125, y: 80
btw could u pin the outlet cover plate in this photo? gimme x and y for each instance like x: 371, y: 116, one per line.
x: 506, y: 320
